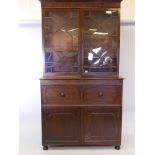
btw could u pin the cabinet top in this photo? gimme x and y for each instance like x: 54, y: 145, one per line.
x: 80, y: 0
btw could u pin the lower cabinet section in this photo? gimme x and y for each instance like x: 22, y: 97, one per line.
x: 81, y: 112
x: 81, y: 126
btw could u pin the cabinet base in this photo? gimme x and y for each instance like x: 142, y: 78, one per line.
x: 45, y: 147
x: 117, y: 147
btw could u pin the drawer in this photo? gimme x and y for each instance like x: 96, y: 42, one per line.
x: 60, y: 94
x: 108, y: 94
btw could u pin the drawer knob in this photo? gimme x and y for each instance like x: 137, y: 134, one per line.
x: 100, y: 94
x: 62, y: 94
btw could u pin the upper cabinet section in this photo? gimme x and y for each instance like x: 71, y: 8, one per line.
x: 81, y: 38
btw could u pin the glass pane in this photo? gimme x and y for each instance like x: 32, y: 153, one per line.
x: 100, y: 41
x: 61, y: 41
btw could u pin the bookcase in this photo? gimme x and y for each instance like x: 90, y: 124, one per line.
x: 81, y: 90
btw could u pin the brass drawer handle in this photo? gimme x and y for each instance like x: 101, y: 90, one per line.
x: 62, y: 94
x: 100, y: 94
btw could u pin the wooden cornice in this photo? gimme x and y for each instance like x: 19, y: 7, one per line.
x: 80, y: 0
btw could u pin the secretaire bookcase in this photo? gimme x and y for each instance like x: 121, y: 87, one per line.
x: 81, y: 91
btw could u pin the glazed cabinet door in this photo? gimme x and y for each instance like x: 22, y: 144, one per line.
x: 61, y: 126
x: 61, y: 40
x: 102, y: 125
x: 100, y: 42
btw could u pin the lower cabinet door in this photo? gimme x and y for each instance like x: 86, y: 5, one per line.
x: 61, y: 126
x: 102, y: 125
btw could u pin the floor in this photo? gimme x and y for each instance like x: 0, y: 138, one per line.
x: 33, y: 147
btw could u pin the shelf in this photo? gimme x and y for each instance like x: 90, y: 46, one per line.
x: 98, y: 57
x: 109, y: 35
x: 51, y: 17
x: 94, y: 67
x: 56, y: 66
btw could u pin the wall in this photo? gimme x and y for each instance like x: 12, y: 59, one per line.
x: 127, y: 70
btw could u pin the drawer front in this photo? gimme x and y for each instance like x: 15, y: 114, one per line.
x: 60, y: 94
x: 108, y: 94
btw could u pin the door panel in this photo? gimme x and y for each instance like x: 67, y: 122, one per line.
x: 101, y: 41
x: 61, y: 125
x: 102, y: 124
x: 61, y: 45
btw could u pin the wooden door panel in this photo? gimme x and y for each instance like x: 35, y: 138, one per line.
x: 102, y: 124
x: 61, y: 125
